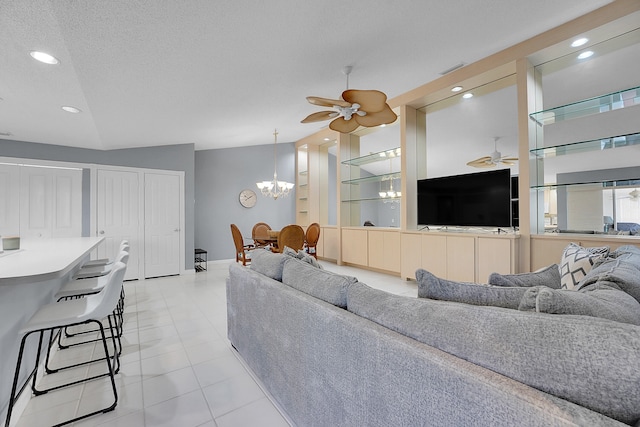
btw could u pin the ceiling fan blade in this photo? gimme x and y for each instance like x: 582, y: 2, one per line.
x: 319, y: 116
x: 384, y: 117
x: 509, y: 159
x: 482, y: 162
x: 370, y: 101
x: 343, y: 126
x: 327, y: 102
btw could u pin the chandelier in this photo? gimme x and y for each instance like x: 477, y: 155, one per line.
x: 390, y: 196
x: 274, y: 188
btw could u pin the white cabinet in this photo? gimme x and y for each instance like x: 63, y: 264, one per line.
x: 9, y: 200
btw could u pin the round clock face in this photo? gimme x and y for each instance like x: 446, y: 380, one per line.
x: 248, y: 198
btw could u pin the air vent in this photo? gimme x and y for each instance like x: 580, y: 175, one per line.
x: 455, y: 67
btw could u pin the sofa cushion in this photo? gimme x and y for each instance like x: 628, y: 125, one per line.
x: 302, y: 256
x: 430, y: 286
x: 548, y: 276
x: 265, y: 262
x: 325, y: 285
x: 577, y: 262
x: 586, y: 360
x: 601, y: 301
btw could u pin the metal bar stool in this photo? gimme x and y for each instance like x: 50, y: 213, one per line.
x: 92, y: 309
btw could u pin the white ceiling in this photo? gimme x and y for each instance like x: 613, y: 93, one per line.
x: 226, y: 73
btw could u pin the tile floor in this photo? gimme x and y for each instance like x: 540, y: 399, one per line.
x: 178, y: 368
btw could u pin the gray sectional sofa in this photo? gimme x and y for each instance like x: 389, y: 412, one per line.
x: 333, y: 351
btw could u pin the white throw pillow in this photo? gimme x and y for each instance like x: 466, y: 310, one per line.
x: 577, y: 262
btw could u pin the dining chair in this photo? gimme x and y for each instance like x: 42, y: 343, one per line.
x: 260, y: 229
x: 291, y: 236
x: 241, y: 248
x: 311, y: 239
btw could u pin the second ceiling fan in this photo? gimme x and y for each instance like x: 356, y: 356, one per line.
x: 495, y: 158
x: 366, y: 108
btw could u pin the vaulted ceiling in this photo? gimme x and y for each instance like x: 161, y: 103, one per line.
x: 222, y: 74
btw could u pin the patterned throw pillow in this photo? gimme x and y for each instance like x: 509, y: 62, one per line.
x: 577, y: 262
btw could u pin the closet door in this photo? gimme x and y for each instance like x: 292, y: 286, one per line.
x: 9, y: 200
x: 161, y: 224
x: 50, y: 202
x: 117, y: 215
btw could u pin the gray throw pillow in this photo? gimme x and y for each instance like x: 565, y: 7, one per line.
x: 265, y: 262
x: 601, y: 301
x: 621, y: 273
x: 325, y: 285
x: 548, y: 276
x: 302, y: 256
x: 430, y: 286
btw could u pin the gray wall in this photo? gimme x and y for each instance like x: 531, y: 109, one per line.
x: 168, y: 157
x: 220, y: 175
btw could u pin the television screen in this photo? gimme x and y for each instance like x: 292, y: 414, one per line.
x: 477, y: 199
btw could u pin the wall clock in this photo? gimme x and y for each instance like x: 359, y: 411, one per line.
x: 248, y: 198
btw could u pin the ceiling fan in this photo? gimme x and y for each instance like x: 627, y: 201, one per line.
x: 494, y: 159
x: 366, y: 108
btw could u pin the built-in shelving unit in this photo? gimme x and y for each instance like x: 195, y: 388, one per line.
x: 580, y: 187
x: 302, y: 193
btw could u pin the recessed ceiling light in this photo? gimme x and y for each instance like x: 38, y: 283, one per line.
x: 579, y: 42
x: 327, y: 139
x: 585, y: 55
x: 44, y: 57
x: 467, y: 95
x: 383, y: 125
x: 456, y: 89
x: 70, y: 109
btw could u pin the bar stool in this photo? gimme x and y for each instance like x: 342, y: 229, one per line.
x: 106, y: 261
x: 87, y: 272
x: 79, y: 289
x: 91, y: 309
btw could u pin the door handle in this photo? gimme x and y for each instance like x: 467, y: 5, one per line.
x: 101, y: 231
x: 176, y: 230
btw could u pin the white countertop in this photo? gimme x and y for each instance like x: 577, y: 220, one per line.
x: 44, y: 259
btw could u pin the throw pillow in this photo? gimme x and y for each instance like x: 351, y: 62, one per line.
x: 322, y: 284
x: 602, y: 301
x: 302, y: 256
x: 265, y: 262
x: 430, y: 286
x: 577, y: 262
x: 548, y: 276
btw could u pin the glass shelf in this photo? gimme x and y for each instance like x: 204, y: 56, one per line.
x: 373, y: 178
x: 605, y: 184
x: 372, y: 199
x: 586, y: 146
x: 600, y: 104
x: 374, y: 157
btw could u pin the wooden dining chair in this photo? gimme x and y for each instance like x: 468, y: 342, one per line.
x: 241, y: 248
x: 292, y: 236
x: 260, y: 229
x: 311, y: 239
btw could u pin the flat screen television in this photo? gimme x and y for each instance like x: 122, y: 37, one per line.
x: 475, y: 200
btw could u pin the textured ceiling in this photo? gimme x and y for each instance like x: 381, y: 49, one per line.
x: 225, y: 73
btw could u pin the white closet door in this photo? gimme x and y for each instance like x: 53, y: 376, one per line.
x: 50, y: 202
x: 9, y: 200
x: 117, y: 219
x: 161, y: 224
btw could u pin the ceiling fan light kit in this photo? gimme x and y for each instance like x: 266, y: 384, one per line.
x: 367, y: 108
